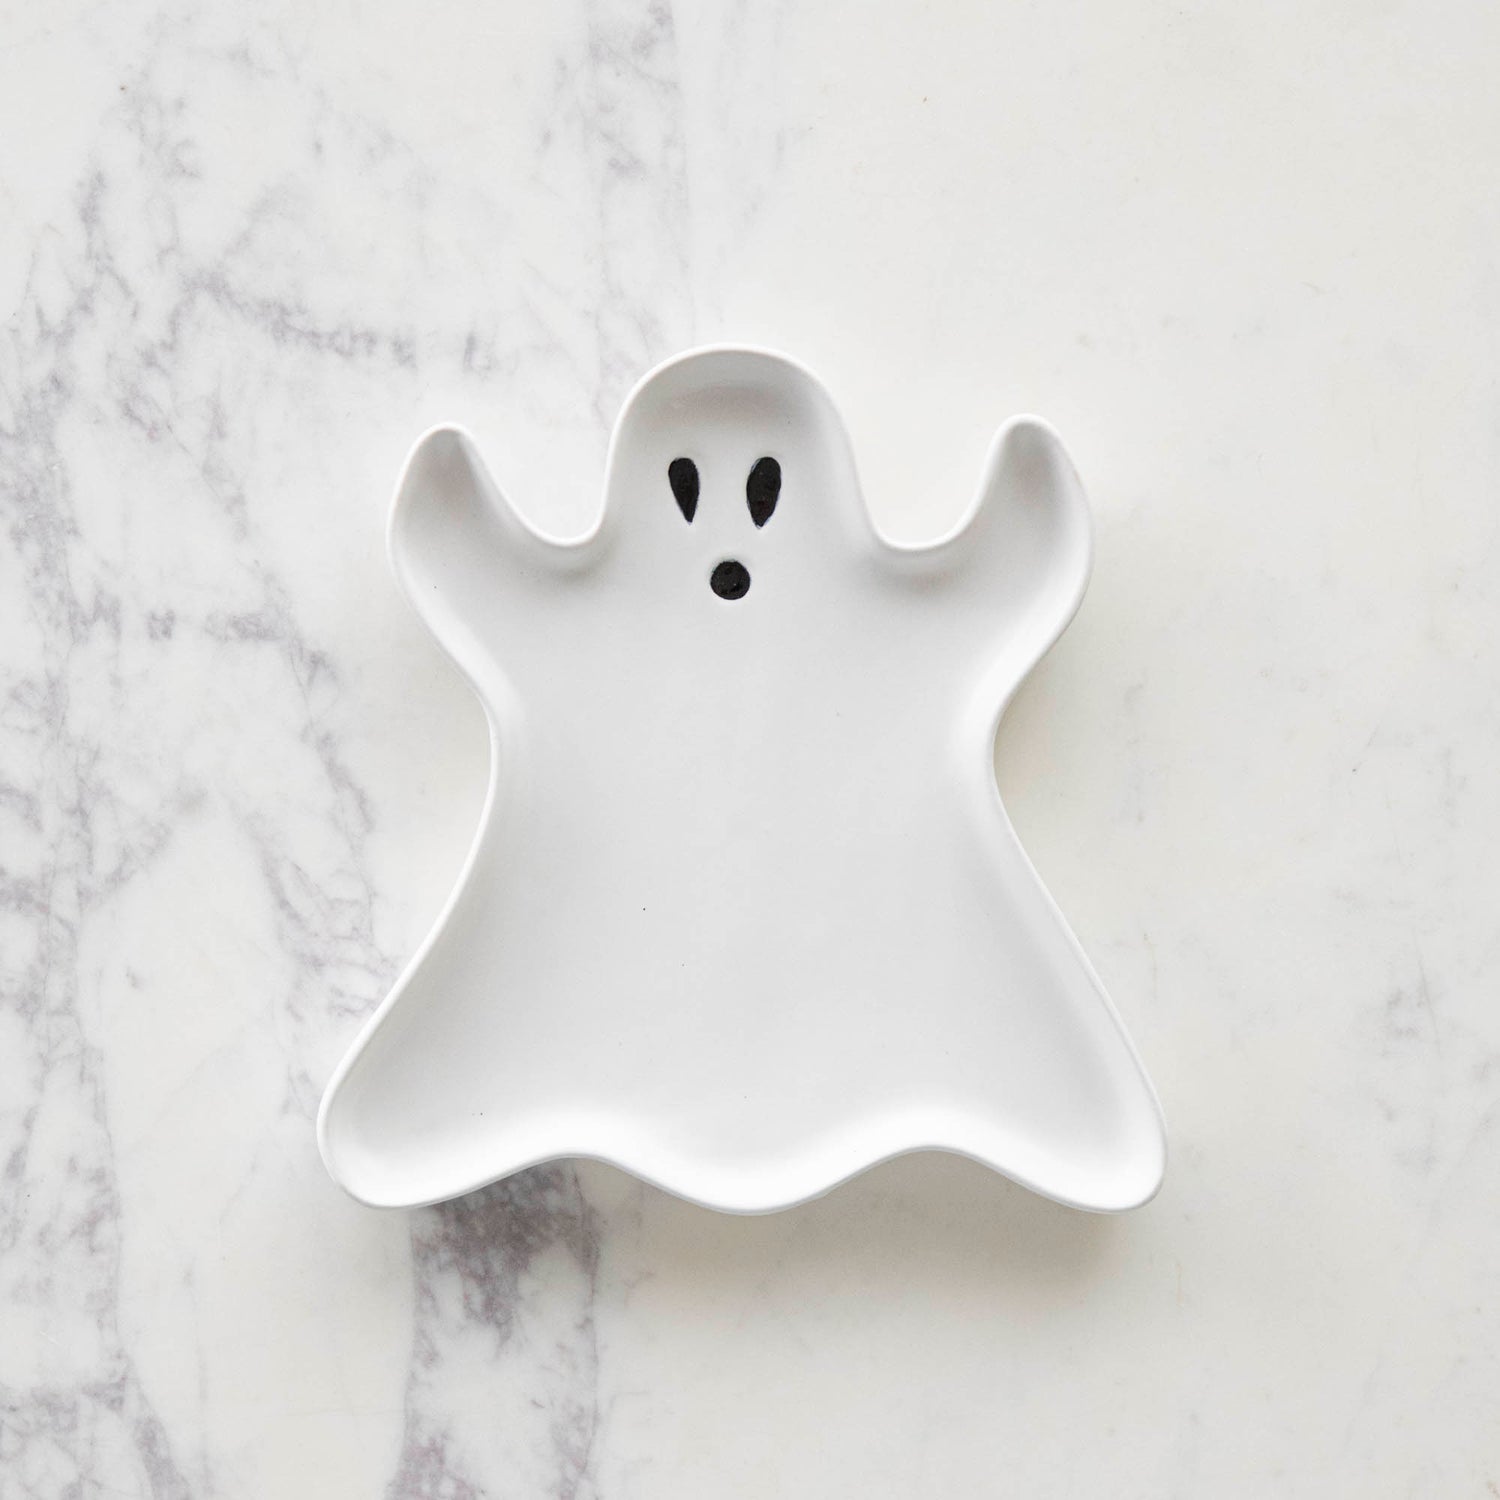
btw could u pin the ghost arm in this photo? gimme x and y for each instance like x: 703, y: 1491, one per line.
x: 466, y: 560
x: 1014, y: 570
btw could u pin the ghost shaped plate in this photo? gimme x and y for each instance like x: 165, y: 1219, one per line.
x: 744, y: 914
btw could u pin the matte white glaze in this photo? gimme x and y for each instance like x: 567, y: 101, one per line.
x: 744, y: 914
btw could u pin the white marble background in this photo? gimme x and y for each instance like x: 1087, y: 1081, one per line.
x: 1246, y: 258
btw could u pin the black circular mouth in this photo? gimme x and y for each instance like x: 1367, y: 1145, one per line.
x: 730, y: 580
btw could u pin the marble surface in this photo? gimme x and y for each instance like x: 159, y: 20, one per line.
x: 1245, y: 260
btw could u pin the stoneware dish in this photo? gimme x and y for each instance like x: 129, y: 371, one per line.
x: 744, y: 914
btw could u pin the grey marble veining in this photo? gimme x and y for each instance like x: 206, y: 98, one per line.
x: 1244, y: 261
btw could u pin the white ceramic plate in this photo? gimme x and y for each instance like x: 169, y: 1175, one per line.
x: 744, y: 914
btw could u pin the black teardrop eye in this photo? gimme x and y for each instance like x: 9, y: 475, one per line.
x: 762, y: 489
x: 682, y: 473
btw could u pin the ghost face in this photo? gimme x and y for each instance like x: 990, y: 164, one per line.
x: 730, y: 578
x: 730, y: 495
